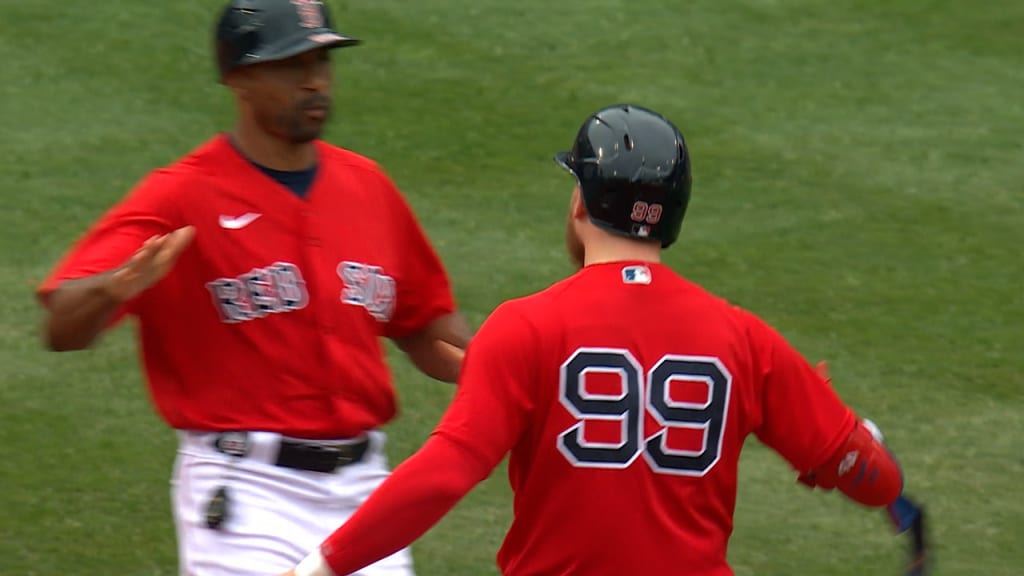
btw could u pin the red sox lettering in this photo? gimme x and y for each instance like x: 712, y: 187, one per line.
x: 280, y: 288
x: 270, y: 290
x: 367, y: 286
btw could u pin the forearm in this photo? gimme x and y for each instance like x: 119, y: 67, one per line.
x: 438, y: 349
x: 866, y: 472
x: 862, y: 469
x: 418, y: 494
x: 77, y: 312
x: 437, y: 359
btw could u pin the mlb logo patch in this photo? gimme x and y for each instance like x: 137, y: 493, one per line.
x: 636, y: 275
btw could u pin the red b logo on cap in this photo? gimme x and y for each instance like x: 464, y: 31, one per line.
x: 310, y: 15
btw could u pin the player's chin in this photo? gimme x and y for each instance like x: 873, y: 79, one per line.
x: 307, y: 132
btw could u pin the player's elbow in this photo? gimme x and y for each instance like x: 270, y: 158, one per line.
x: 55, y: 342
x: 454, y: 491
x: 60, y: 346
x: 435, y: 358
x: 55, y: 332
x: 465, y: 467
x: 57, y: 338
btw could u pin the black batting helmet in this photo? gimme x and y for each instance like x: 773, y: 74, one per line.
x: 634, y: 172
x: 252, y: 31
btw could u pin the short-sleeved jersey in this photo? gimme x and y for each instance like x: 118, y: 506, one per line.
x: 625, y: 394
x: 271, y: 319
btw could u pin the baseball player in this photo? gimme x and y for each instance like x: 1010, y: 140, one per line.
x: 624, y: 393
x: 263, y: 269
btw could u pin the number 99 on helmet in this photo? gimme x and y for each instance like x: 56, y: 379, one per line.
x: 634, y: 172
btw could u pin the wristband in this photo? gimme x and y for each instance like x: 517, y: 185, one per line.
x: 314, y: 565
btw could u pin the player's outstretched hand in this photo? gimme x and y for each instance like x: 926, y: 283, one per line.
x: 149, y: 264
x: 822, y: 369
x: 905, y: 514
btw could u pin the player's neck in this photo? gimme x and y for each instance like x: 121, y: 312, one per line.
x: 607, y: 248
x: 271, y: 152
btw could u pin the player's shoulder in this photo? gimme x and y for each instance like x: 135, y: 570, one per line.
x: 204, y: 157
x: 716, y: 302
x: 684, y: 287
x: 349, y: 160
x: 204, y: 162
x: 373, y: 181
x: 539, y: 302
x: 534, y: 310
x: 756, y: 329
x: 512, y: 323
x: 539, y: 305
x: 514, y: 310
x: 612, y: 276
x: 523, y: 312
x: 727, y: 316
x: 714, y: 308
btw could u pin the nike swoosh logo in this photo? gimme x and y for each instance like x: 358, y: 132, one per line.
x: 237, y: 223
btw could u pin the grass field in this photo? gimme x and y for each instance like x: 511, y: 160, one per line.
x: 859, y: 169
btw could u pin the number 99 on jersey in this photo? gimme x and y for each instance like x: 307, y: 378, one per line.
x: 643, y: 393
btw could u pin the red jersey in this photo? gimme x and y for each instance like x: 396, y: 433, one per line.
x: 271, y: 319
x: 625, y: 394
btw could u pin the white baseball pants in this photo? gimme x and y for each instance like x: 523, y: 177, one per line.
x: 275, y: 516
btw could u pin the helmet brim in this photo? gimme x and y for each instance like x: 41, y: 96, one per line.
x: 304, y: 43
x: 563, y: 160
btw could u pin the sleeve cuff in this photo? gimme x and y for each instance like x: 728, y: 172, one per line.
x: 314, y: 565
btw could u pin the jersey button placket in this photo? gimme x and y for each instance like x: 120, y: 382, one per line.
x: 316, y: 258
x: 311, y: 232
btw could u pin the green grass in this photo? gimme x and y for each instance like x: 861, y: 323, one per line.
x: 858, y: 184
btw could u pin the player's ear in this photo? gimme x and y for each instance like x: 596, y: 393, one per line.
x: 236, y: 81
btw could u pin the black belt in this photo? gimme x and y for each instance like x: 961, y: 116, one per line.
x: 311, y: 456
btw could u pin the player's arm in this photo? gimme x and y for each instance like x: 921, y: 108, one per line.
x: 426, y: 324
x: 866, y: 472
x: 483, y: 423
x: 860, y: 458
x: 127, y: 250
x: 805, y: 421
x: 437, y: 349
x: 862, y: 469
x: 79, y: 309
x: 414, y: 498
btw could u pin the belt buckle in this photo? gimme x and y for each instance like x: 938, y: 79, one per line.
x: 233, y: 444
x: 343, y: 454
